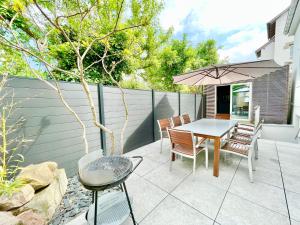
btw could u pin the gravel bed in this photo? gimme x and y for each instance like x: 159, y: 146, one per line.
x: 76, y: 200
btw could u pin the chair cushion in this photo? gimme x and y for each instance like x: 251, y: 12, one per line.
x: 235, y: 147
x: 186, y: 151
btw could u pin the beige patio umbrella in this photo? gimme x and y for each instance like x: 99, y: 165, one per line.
x: 228, y: 73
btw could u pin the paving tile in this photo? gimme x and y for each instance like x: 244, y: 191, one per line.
x: 227, y: 170
x: 146, y: 196
x: 146, y: 166
x: 79, y: 220
x: 291, y: 182
x: 157, y: 156
x: 262, y: 194
x: 201, y: 195
x: 238, y: 211
x: 293, y: 222
x: 294, y: 205
x: 173, y: 212
x: 166, y: 179
x: 262, y: 174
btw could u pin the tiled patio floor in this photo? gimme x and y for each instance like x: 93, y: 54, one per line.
x: 161, y: 197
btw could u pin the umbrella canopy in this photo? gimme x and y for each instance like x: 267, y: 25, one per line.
x: 228, y: 73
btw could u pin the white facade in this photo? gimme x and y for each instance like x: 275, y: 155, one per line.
x: 278, y: 47
x: 296, y: 73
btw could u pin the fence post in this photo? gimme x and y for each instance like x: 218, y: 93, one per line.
x: 179, y: 109
x: 101, y: 117
x: 153, y: 114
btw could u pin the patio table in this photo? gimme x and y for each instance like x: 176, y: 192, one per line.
x: 212, y: 129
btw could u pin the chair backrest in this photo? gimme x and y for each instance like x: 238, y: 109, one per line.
x: 182, y: 138
x: 220, y: 116
x: 186, y: 118
x: 164, y: 124
x: 256, y: 115
x: 176, y: 121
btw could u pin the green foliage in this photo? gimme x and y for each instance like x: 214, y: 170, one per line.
x: 177, y: 57
x: 10, y: 142
x: 9, y: 187
x: 133, y: 83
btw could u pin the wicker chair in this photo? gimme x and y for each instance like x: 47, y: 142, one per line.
x: 163, y: 124
x: 186, y: 118
x: 183, y: 144
x: 176, y: 121
x: 242, y: 149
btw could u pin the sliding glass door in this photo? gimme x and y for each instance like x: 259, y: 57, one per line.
x: 240, y: 101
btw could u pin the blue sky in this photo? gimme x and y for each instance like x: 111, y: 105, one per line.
x: 239, y: 26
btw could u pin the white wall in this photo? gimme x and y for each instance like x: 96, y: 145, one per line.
x: 281, y: 53
x: 296, y: 75
x: 267, y: 52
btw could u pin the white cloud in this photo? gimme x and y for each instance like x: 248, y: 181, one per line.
x: 243, y: 45
x: 247, y: 18
x: 221, y: 15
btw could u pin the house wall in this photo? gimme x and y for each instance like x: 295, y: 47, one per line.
x: 282, y: 53
x: 269, y: 91
x: 296, y: 76
x: 268, y: 51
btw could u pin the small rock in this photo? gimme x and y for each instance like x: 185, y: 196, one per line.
x: 39, y: 175
x: 7, y: 218
x: 47, y: 200
x: 19, y: 198
x: 31, y: 218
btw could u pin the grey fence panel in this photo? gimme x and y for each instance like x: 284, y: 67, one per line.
x: 139, y: 129
x: 199, y: 107
x: 54, y: 132
x: 166, y: 105
x: 187, y: 104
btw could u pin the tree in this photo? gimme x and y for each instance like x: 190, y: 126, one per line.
x: 81, y: 26
x: 177, y: 57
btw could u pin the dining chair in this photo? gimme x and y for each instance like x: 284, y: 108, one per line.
x: 186, y: 118
x: 163, y: 124
x: 176, y: 121
x: 244, y: 150
x: 246, y: 135
x: 221, y: 116
x: 183, y: 143
x: 257, y: 120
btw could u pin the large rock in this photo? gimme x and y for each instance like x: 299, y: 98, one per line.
x: 47, y: 200
x: 31, y: 218
x: 19, y: 198
x: 39, y: 175
x: 7, y: 218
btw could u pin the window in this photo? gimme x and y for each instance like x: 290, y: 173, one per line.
x: 240, y: 101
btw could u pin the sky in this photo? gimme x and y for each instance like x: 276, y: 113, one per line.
x: 238, y: 26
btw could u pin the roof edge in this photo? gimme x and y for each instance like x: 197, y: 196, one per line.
x: 265, y: 44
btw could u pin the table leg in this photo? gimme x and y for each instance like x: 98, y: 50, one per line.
x: 216, y: 156
x: 173, y: 154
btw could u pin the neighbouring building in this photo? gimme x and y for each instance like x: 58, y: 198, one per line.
x: 279, y: 46
x: 272, y: 91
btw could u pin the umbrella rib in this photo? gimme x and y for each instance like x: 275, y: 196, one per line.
x: 198, y: 80
x: 199, y: 72
x: 227, y: 72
